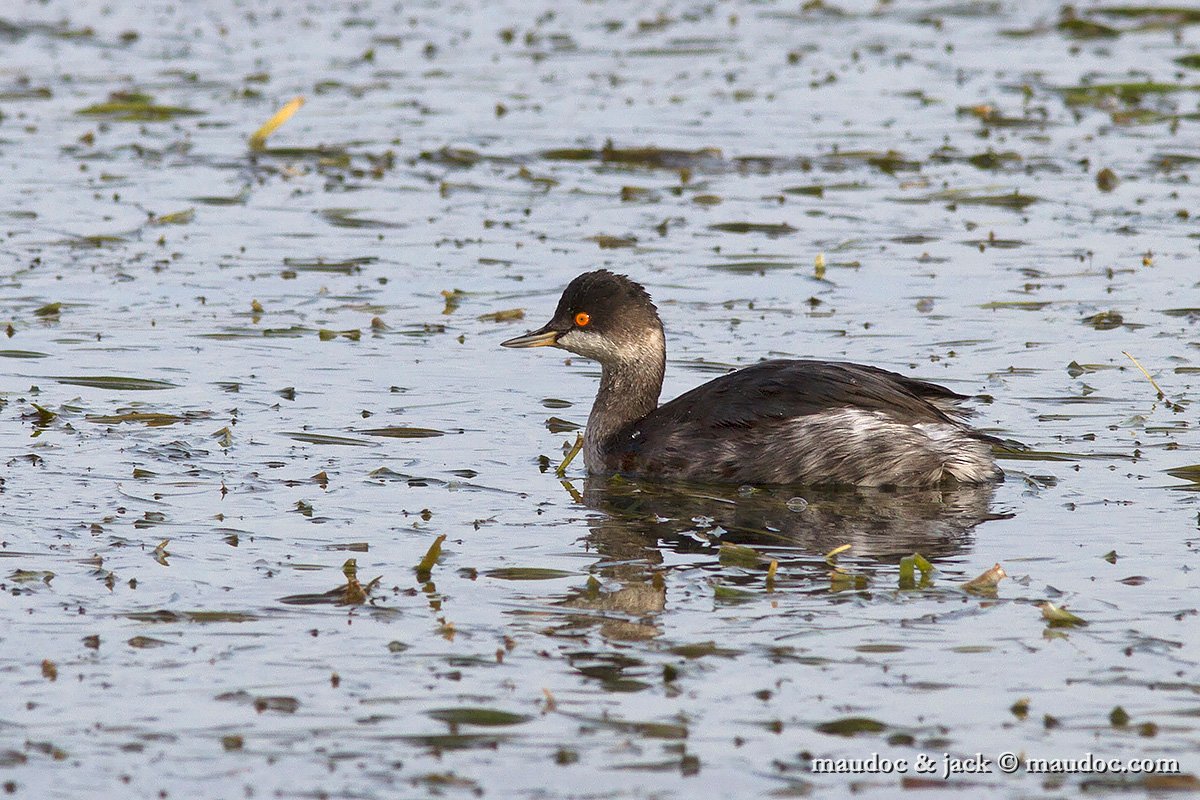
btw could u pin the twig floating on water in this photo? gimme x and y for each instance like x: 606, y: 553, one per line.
x: 259, y: 138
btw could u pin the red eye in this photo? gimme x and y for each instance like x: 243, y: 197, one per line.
x: 582, y: 319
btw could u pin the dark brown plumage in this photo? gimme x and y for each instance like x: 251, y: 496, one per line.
x: 780, y: 421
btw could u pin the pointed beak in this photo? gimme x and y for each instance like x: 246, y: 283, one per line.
x: 543, y: 337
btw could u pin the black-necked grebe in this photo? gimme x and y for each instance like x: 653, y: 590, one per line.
x: 780, y: 421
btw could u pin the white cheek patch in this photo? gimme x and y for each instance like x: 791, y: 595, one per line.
x: 588, y: 344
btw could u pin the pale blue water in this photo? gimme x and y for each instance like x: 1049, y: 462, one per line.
x: 423, y: 187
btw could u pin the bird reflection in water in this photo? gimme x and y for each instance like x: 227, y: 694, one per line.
x: 639, y: 519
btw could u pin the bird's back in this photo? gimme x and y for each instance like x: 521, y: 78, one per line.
x: 792, y: 421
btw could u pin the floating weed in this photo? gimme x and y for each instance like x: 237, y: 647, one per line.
x: 1075, y: 369
x: 649, y: 157
x: 424, y: 568
x: 151, y: 419
x: 561, y: 469
x: 1188, y: 473
x: 135, y: 107
x: 115, y: 383
x: 728, y: 594
x: 1060, y: 617
x: 48, y: 310
x: 462, y: 157
x: 738, y: 555
x: 22, y: 354
x: 43, y: 416
x: 238, y: 199
x: 259, y: 138
x: 351, y: 593
x: 224, y: 437
x: 402, y: 432
x: 986, y: 582
x: 1021, y: 305
x: 484, y: 717
x: 607, y: 242
x: 649, y: 730
x: 345, y: 266
x: 842, y: 581
x: 1161, y: 395
x: 831, y: 556
x: 527, y: 573
x: 994, y: 160
x: 31, y: 576
x: 508, y: 315
x: 165, y: 616
x: 768, y: 228
x: 1182, y: 15
x: 145, y: 642
x: 329, y: 156
x: 174, y: 218
x: 909, y: 565
x: 1105, y: 320
x: 324, y: 438
x: 1013, y: 200
x: 851, y: 726
x: 1017, y: 453
x: 753, y: 266
x: 703, y: 649
x: 326, y: 335
x: 346, y: 218
x: 1127, y: 91
x: 1078, y: 28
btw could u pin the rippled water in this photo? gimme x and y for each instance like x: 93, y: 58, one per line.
x: 227, y: 372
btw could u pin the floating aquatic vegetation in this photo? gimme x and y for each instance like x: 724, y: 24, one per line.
x: 174, y: 218
x: 986, y: 582
x: 115, y: 383
x: 345, y: 266
x: 1127, y: 91
x: 1106, y: 180
x: 425, y: 566
x: 1060, y: 617
x: 1188, y: 473
x: 351, y: 593
x: 651, y: 157
x: 1166, y: 15
x: 166, y: 616
x: 607, y: 242
x: 135, y: 107
x: 259, y: 138
x: 1105, y: 320
x: 527, y: 573
x: 486, y: 717
x: 326, y: 335
x: 909, y: 566
x: 1080, y: 28
x: 851, y: 726
x: 561, y: 469
x: 1022, y: 305
x: 1014, y: 200
x: 737, y: 555
x: 325, y: 438
x: 403, y: 432
x: 508, y: 315
x: 768, y: 228
x: 151, y: 419
x: 348, y: 218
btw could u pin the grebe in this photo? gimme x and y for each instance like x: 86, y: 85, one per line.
x: 776, y: 422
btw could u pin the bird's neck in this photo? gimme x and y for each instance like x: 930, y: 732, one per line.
x: 629, y: 390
